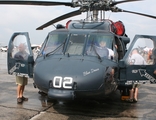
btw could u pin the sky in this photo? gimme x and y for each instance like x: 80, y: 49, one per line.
x: 26, y: 18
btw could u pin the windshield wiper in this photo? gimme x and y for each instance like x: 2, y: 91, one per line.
x: 93, y: 46
x: 97, y: 53
x: 57, y: 48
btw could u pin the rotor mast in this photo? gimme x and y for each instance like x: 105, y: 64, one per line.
x: 95, y: 15
x: 93, y: 8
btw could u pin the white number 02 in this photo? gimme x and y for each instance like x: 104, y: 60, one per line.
x: 58, y: 82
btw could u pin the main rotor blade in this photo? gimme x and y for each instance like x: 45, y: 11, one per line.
x: 34, y: 2
x: 120, y: 10
x: 118, y: 2
x: 68, y: 15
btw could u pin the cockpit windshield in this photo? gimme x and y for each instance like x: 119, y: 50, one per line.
x: 101, y: 45
x: 55, y: 43
x: 76, y: 44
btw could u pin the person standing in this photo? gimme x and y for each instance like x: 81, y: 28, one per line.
x: 135, y: 59
x: 21, y: 81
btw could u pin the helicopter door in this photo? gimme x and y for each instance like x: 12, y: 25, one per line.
x: 20, y: 56
x: 138, y: 64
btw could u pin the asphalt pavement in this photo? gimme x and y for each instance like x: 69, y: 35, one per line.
x: 39, y: 108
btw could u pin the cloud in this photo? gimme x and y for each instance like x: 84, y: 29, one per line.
x: 27, y: 18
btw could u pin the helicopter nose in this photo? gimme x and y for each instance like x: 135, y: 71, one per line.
x: 67, y: 78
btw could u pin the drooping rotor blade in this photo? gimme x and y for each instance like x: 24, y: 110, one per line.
x: 34, y: 2
x: 68, y: 15
x: 121, y: 10
x: 118, y: 2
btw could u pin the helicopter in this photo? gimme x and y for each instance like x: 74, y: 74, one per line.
x: 70, y: 64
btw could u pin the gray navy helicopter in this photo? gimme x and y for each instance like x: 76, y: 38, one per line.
x: 86, y: 58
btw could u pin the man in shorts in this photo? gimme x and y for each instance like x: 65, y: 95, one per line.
x: 21, y: 81
x: 135, y: 59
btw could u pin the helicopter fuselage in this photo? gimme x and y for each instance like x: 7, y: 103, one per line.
x: 69, y: 72
x: 74, y: 76
x: 85, y: 59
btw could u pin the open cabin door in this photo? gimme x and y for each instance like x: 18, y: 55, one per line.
x: 138, y: 64
x: 20, y: 57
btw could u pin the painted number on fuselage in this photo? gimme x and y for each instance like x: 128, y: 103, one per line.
x: 65, y: 82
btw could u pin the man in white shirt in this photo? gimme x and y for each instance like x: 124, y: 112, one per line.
x: 136, y: 58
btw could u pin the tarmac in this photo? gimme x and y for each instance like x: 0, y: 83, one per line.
x: 39, y: 108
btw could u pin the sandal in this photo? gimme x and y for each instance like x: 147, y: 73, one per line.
x: 129, y: 100
x: 19, y: 100
x: 24, y: 98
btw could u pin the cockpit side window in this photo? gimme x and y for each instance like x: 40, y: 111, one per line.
x: 20, y: 49
x: 76, y: 44
x: 141, y: 53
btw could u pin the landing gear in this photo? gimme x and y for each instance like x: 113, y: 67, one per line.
x: 42, y: 93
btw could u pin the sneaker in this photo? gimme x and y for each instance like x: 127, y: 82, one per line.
x: 129, y: 100
x: 19, y: 100
x: 135, y: 100
x: 24, y: 98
